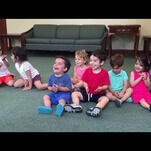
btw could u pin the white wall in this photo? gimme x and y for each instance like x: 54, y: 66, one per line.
x: 119, y: 42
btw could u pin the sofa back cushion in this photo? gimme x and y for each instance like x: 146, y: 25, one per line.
x: 92, y: 31
x: 68, y: 32
x: 44, y: 31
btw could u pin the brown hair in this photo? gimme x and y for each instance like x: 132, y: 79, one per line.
x: 99, y: 54
x: 117, y: 60
x: 67, y: 62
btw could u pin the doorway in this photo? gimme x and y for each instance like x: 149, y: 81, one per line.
x: 3, y: 30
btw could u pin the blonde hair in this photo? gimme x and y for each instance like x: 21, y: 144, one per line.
x: 83, y: 54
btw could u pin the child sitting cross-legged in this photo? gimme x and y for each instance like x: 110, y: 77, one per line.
x: 119, y: 90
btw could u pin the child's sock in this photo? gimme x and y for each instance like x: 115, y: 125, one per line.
x: 129, y: 100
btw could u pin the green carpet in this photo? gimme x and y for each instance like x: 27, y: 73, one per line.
x: 18, y: 109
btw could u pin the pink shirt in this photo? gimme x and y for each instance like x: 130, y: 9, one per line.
x: 80, y: 71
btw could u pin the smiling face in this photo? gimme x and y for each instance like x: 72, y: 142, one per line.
x: 139, y: 67
x: 79, y: 61
x: 59, y: 66
x: 95, y: 63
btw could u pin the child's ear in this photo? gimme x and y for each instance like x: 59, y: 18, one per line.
x: 17, y: 58
x: 102, y: 63
x: 65, y: 69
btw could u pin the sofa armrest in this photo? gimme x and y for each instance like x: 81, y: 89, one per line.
x: 26, y: 34
x: 104, y: 41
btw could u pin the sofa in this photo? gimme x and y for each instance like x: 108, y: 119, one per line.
x: 52, y: 37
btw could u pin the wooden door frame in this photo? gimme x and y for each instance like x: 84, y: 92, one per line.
x: 3, y: 30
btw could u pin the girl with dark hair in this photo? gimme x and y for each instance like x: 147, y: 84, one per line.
x: 140, y: 82
x: 29, y: 76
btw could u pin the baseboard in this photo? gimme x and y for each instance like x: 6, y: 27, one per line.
x: 125, y: 51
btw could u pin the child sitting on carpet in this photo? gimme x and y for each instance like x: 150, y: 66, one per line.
x: 81, y: 64
x: 59, y: 83
x: 29, y: 76
x: 5, y: 76
x: 119, y: 90
x: 140, y: 82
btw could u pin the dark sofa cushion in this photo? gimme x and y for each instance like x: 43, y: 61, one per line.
x: 62, y: 41
x: 68, y: 32
x: 92, y: 31
x: 37, y: 41
x: 44, y: 31
x: 88, y: 42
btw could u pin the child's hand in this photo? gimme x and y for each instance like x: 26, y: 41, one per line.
x: 55, y: 88
x: 143, y: 76
x: 98, y: 89
x: 116, y: 94
x: 26, y: 88
x: 26, y: 85
x: 4, y: 57
x: 74, y: 80
x: 121, y: 94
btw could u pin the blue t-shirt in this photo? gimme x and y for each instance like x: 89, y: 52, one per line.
x: 64, y: 80
x: 117, y: 80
